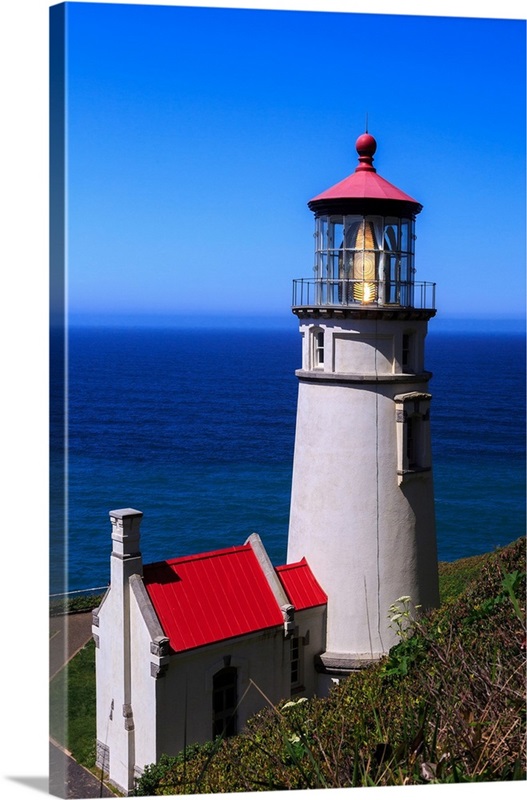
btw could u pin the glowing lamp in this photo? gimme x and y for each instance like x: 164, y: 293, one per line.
x: 363, y: 267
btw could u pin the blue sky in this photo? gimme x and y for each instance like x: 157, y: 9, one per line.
x: 196, y: 136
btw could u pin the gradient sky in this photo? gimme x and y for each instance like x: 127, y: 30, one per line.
x: 196, y: 136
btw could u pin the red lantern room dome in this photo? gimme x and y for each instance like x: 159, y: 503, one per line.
x: 364, y: 191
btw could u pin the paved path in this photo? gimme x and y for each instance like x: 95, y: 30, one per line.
x: 68, y: 634
x: 69, y: 779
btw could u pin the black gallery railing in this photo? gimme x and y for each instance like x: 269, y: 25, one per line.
x: 329, y: 292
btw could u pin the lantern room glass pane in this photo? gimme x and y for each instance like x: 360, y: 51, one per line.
x: 391, y: 234
x: 322, y: 231
x: 333, y: 265
x: 404, y: 272
x: 321, y: 243
x: 405, y: 236
x: 352, y: 223
x: 335, y: 232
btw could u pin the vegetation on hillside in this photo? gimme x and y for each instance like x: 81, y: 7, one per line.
x: 446, y: 705
x: 455, y: 576
x: 74, y: 605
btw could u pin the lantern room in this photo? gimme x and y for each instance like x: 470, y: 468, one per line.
x: 364, y: 244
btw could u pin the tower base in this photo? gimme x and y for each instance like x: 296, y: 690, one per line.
x: 334, y: 667
x: 341, y: 664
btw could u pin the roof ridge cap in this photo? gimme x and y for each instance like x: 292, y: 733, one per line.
x: 273, y: 579
x: 293, y: 564
x: 224, y: 551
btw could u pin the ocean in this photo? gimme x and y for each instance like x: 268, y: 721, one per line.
x: 196, y: 430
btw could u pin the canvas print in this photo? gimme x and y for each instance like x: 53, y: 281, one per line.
x: 287, y: 425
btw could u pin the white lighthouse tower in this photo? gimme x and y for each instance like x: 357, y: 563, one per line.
x: 362, y: 505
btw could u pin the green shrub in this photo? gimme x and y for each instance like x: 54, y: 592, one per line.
x: 74, y: 605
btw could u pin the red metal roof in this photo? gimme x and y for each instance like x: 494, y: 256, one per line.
x: 301, y: 586
x: 364, y: 183
x: 213, y: 596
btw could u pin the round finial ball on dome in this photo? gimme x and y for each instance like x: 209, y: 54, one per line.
x: 366, y: 145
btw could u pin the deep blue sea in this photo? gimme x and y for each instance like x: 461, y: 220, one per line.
x: 196, y: 430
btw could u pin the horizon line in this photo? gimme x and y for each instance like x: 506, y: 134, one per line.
x: 274, y: 321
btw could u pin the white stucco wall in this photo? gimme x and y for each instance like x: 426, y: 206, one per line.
x: 184, y: 696
x: 311, y: 628
x: 104, y: 660
x: 364, y: 346
x: 184, y: 693
x: 369, y: 537
x: 144, y: 685
x: 110, y: 660
x: 353, y: 352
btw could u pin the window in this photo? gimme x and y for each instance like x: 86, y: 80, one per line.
x: 410, y: 352
x: 405, y: 357
x: 318, y: 360
x: 296, y: 663
x: 348, y: 249
x: 412, y: 448
x: 398, y: 242
x: 224, y: 701
x: 413, y: 433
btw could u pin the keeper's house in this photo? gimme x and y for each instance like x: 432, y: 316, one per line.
x: 190, y: 648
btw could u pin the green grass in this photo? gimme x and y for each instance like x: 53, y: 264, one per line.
x: 455, y: 576
x: 72, y: 706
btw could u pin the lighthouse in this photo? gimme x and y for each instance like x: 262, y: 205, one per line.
x: 362, y: 501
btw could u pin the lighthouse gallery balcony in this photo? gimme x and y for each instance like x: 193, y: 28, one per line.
x: 330, y: 293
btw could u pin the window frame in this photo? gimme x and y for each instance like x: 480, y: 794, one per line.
x: 226, y: 716
x: 413, y: 434
x: 318, y: 350
x: 296, y: 662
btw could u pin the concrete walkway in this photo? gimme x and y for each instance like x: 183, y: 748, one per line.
x: 69, y: 634
x: 69, y: 779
